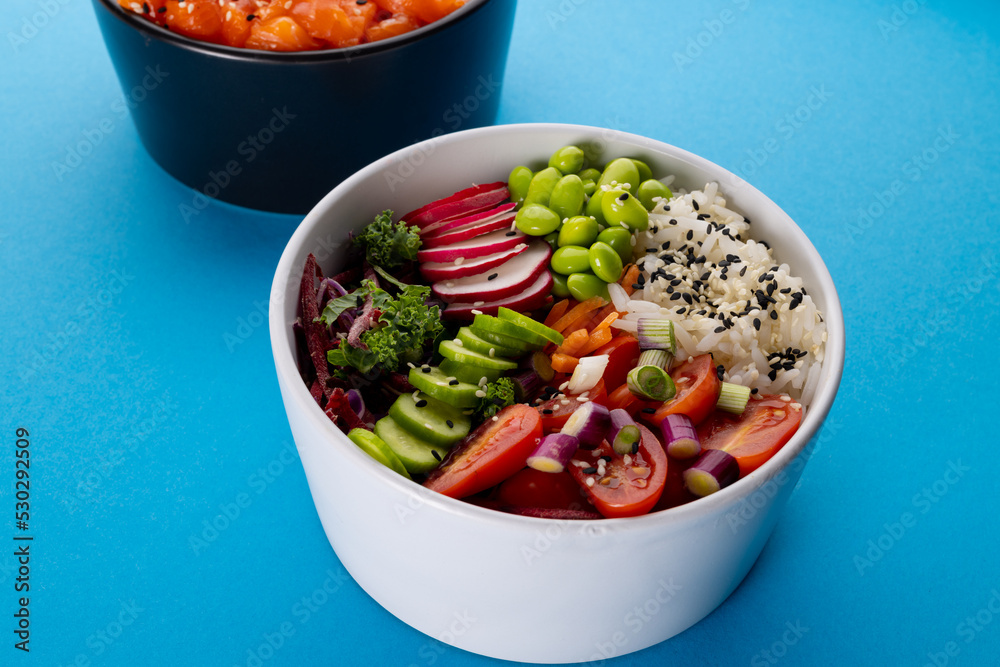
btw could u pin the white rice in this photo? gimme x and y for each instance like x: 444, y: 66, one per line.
x: 727, y: 313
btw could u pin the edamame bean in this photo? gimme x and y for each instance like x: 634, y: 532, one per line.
x: 605, y: 262
x: 645, y: 173
x: 552, y: 239
x: 559, y: 287
x: 620, y: 239
x: 649, y: 189
x: 583, y: 286
x: 567, y: 197
x: 537, y: 220
x: 589, y: 178
x: 620, y: 207
x: 570, y: 259
x: 518, y: 182
x: 580, y: 230
x: 568, y: 159
x: 593, y: 208
x: 540, y: 188
x: 621, y: 171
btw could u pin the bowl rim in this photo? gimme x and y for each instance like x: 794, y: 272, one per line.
x: 732, y: 496
x: 154, y: 31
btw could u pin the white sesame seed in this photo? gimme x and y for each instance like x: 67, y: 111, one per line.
x: 493, y: 352
x: 480, y: 393
x: 590, y: 481
x: 479, y: 303
x: 476, y: 312
x: 459, y: 342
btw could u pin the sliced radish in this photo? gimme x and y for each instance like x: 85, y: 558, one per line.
x: 530, y: 299
x: 435, y: 271
x: 499, y: 282
x: 464, y: 233
x: 487, y: 244
x: 465, y: 202
x: 452, y: 224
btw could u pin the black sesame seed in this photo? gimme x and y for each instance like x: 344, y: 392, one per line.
x: 650, y: 249
x: 774, y: 314
x: 641, y: 279
x: 362, y: 2
x: 435, y: 454
x: 673, y: 221
x: 754, y: 390
x: 675, y: 296
x: 785, y: 290
x: 425, y: 369
x: 546, y: 411
x: 450, y: 423
x: 636, y: 285
x: 794, y: 304
x: 743, y: 271
x: 772, y: 375
x: 161, y: 10
x: 648, y: 411
x: 756, y: 324
x: 452, y: 382
x: 665, y: 246
x: 606, y: 459
x: 589, y: 471
x: 511, y: 233
x: 694, y: 202
x: 724, y: 263
x: 421, y: 403
x: 251, y: 17
x: 703, y: 216
x: 690, y: 234
x: 492, y: 276
x: 623, y: 196
x: 720, y: 371
x: 687, y: 297
x: 145, y: 8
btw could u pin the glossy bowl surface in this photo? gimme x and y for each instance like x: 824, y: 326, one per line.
x: 513, y: 587
x: 277, y: 131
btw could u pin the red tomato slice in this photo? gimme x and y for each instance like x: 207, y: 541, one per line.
x: 534, y: 488
x: 624, y: 489
x: 490, y: 454
x: 698, y: 388
x: 623, y: 398
x: 556, y: 411
x: 623, y: 355
x: 766, y: 424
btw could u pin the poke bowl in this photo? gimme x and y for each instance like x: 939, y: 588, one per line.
x: 276, y: 130
x: 506, y: 584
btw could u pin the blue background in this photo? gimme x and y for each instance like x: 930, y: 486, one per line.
x: 148, y: 421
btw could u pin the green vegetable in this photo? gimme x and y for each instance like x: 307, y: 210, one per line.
x: 388, y: 244
x: 649, y: 189
x: 579, y: 230
x: 404, y: 329
x: 620, y: 172
x: 540, y: 188
x: 518, y: 182
x: 559, y: 286
x: 621, y: 208
x: 605, y: 262
x: 570, y: 259
x: 620, y: 239
x: 568, y: 159
x: 584, y: 285
x: 567, y: 197
x: 376, y: 448
x: 537, y: 219
x: 499, y: 395
x: 733, y: 398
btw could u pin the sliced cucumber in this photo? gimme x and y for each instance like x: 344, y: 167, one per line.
x: 431, y: 419
x: 436, y: 384
x: 551, y: 335
x: 472, y: 374
x: 523, y: 347
x: 485, y: 322
x: 416, y: 454
x: 375, y: 447
x: 483, y: 346
x: 451, y: 350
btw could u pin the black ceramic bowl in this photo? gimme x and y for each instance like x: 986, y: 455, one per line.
x: 277, y: 131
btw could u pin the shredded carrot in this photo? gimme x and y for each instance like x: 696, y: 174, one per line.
x: 600, y: 336
x: 630, y: 278
x: 601, y: 315
x: 572, y: 343
x: 577, y: 312
x: 606, y: 322
x: 563, y: 363
x: 557, y: 311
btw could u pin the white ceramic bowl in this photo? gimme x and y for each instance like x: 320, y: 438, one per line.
x: 514, y: 587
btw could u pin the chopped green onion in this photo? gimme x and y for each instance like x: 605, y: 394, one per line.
x: 733, y: 398
x: 658, y: 358
x: 656, y: 334
x: 651, y: 383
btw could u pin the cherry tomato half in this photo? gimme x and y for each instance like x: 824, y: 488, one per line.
x: 625, y: 489
x: 698, y: 388
x: 752, y: 438
x: 556, y: 411
x: 546, y: 490
x: 490, y: 454
x: 623, y: 355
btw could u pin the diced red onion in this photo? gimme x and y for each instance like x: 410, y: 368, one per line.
x: 528, y: 384
x: 589, y: 424
x: 680, y: 437
x: 541, y: 364
x: 624, y: 435
x: 587, y: 373
x: 356, y: 401
x: 714, y: 470
x: 553, y: 452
